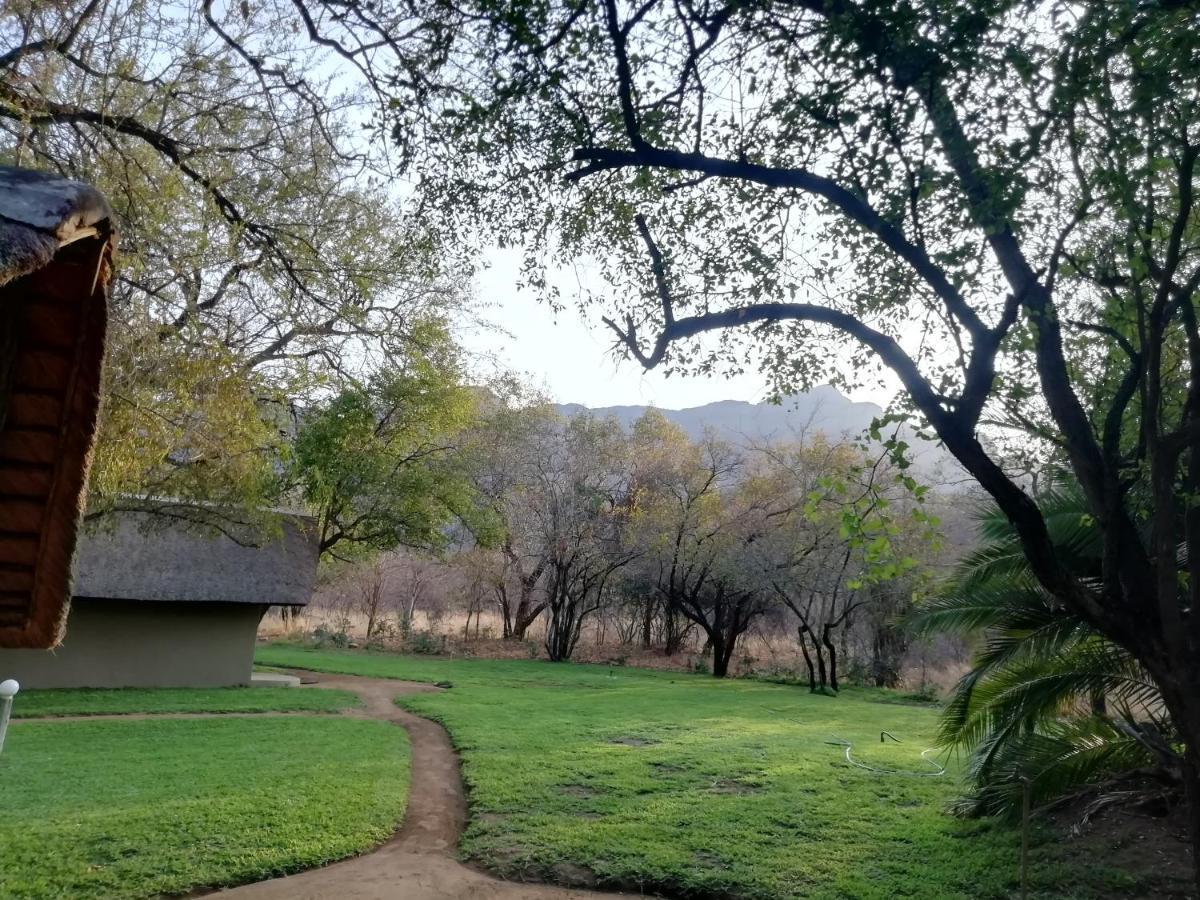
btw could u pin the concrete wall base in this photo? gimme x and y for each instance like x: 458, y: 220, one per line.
x: 126, y: 643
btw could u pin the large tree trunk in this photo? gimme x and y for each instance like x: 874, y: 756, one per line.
x: 526, y: 614
x: 1191, y: 776
x: 724, y: 656
x: 721, y: 654
x: 1183, y: 703
x: 520, y: 624
x: 527, y: 609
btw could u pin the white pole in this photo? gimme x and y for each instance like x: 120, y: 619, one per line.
x: 8, y: 690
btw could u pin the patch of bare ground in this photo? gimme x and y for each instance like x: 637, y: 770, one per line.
x: 731, y: 786
x: 633, y: 741
x: 581, y: 791
x: 1148, y: 838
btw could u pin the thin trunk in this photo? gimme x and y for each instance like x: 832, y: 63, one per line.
x: 812, y: 674
x: 506, y: 615
x: 674, y: 631
x: 821, y: 678
x: 828, y: 641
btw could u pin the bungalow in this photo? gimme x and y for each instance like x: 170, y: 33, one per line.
x: 160, y: 601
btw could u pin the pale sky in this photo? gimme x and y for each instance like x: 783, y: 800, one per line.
x: 571, y: 356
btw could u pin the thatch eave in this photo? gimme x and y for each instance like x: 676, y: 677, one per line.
x: 56, y: 246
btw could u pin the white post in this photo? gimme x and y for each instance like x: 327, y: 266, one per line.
x: 8, y: 690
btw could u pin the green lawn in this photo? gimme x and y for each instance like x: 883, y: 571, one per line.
x: 708, y: 788
x: 139, y: 808
x: 179, y: 700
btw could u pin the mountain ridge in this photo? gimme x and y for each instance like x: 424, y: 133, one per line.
x: 824, y: 409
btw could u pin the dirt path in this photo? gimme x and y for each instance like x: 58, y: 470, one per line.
x: 417, y: 863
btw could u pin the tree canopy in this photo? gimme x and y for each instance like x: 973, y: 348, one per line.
x: 265, y: 261
x: 994, y: 200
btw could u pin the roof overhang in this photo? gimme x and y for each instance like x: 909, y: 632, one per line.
x: 56, y: 248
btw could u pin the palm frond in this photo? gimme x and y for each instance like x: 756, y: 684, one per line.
x: 1030, y: 710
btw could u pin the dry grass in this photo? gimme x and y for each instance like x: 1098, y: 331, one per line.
x: 760, y: 653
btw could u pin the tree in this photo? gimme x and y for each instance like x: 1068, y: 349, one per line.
x: 261, y: 260
x: 677, y: 502
x: 374, y: 596
x: 697, y: 514
x: 994, y: 201
x: 582, y: 489
x: 376, y: 462
x: 845, y: 534
x: 505, y: 452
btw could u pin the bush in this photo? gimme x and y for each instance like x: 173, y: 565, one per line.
x: 324, y: 636
x: 384, y: 628
x: 404, y: 627
x: 858, y: 672
x: 425, y: 642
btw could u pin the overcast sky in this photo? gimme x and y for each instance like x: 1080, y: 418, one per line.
x: 572, y: 356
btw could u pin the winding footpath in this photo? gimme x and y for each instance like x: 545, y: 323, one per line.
x: 418, y: 862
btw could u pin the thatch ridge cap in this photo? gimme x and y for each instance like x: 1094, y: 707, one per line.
x: 50, y: 203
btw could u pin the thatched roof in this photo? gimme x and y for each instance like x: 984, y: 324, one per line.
x: 160, y: 557
x: 56, y: 244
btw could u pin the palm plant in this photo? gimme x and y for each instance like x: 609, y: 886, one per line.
x: 1049, y: 703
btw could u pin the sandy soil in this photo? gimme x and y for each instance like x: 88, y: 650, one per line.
x: 418, y: 862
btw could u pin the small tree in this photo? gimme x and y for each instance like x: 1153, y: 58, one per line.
x: 374, y: 598
x: 582, y: 510
x: 376, y: 462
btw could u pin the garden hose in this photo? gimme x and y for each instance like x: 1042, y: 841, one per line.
x: 940, y: 769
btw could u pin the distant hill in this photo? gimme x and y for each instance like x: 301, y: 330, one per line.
x: 823, y: 409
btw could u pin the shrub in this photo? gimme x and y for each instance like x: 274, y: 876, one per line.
x: 324, y: 636
x: 425, y: 642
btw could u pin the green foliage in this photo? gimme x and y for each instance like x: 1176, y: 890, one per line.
x: 695, y: 786
x: 180, y: 421
x: 134, y: 809
x: 260, y: 262
x: 425, y: 642
x: 375, y: 462
x: 323, y: 636
x: 1024, y: 709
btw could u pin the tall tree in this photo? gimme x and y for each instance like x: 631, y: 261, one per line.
x: 505, y: 453
x: 261, y: 258
x: 836, y: 547
x: 994, y: 200
x: 582, y: 491
x: 677, y: 503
